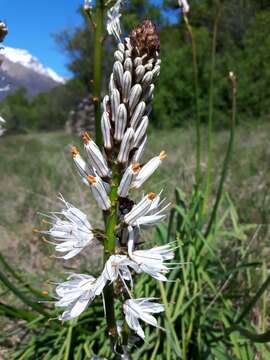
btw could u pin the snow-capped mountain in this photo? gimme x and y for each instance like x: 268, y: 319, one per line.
x: 20, y: 69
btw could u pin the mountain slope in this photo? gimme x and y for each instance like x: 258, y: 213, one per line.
x: 19, y: 69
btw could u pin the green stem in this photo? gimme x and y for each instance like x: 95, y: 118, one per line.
x: 109, y: 247
x: 197, y: 105
x: 98, y: 67
x: 210, y: 111
x: 225, y: 164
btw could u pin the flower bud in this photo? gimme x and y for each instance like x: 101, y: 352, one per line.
x: 128, y: 66
x: 139, y: 72
x: 127, y: 179
x: 127, y: 80
x: 99, y: 192
x: 134, y: 97
x: 95, y: 156
x: 115, y: 102
x: 118, y: 73
x: 120, y: 122
x: 118, y: 55
x: 137, y: 115
x: 141, y: 131
x: 126, y: 146
x: 106, y: 130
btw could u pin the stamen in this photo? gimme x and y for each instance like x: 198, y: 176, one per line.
x: 136, y: 167
x: 74, y: 151
x: 151, y: 196
x: 162, y: 155
x: 91, y: 179
x: 86, y: 137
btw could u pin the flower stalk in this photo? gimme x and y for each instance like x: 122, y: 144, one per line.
x: 111, y: 172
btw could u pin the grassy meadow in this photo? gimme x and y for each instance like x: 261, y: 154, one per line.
x: 35, y: 168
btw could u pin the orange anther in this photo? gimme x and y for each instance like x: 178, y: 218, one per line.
x: 35, y: 230
x: 151, y: 195
x: 162, y: 155
x: 91, y: 179
x: 136, y: 167
x: 74, y: 151
x: 86, y: 137
x: 45, y: 292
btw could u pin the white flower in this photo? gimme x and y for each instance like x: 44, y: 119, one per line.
x: 71, y: 230
x: 127, y: 179
x: 96, y: 159
x: 75, y: 294
x: 117, y: 265
x: 151, y: 261
x: 113, y: 20
x: 184, y: 5
x: 148, y: 169
x: 99, y: 192
x: 147, y: 211
x: 135, y: 309
x: 83, y: 168
x: 87, y: 5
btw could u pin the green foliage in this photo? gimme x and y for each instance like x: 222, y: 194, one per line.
x: 46, y: 111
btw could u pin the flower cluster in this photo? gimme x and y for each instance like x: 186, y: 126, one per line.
x: 111, y: 173
x: 3, y: 31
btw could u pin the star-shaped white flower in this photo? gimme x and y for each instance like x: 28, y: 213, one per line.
x: 151, y: 261
x: 113, y: 20
x: 75, y: 294
x: 184, y: 5
x: 71, y: 230
x: 141, y: 309
x: 147, y: 211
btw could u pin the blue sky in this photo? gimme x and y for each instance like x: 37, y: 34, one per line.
x: 31, y: 24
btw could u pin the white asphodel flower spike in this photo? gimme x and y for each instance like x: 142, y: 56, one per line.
x: 141, y: 309
x: 99, y: 192
x: 97, y: 160
x: 127, y: 179
x: 184, y: 5
x: 147, y: 211
x: 71, y: 230
x: 113, y: 20
x: 151, y: 261
x: 75, y: 294
x: 148, y: 169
